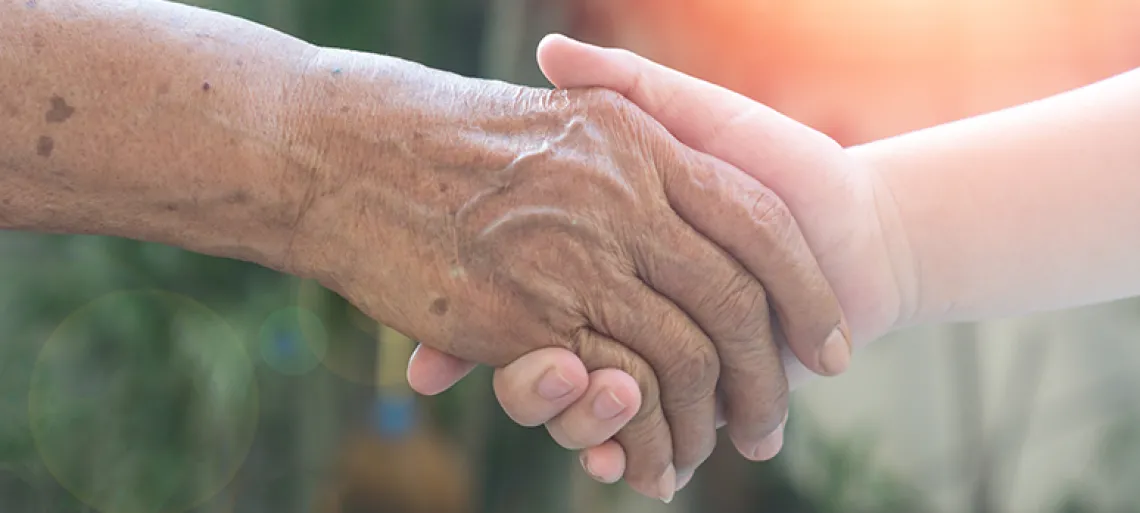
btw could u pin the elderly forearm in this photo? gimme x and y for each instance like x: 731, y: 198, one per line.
x: 149, y: 120
x: 1032, y: 208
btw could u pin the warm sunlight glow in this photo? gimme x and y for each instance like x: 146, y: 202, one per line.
x: 912, y: 62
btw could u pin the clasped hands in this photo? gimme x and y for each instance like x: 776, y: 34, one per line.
x: 643, y: 256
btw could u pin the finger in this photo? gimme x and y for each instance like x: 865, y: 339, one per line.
x: 756, y: 227
x: 681, y: 355
x: 772, y: 444
x: 647, y: 439
x: 731, y: 307
x: 605, y: 463
x: 610, y: 402
x: 539, y: 385
x: 431, y: 372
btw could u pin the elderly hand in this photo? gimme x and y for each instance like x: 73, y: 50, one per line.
x: 833, y: 197
x: 503, y: 220
x: 838, y: 202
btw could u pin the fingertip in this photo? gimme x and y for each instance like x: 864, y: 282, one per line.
x: 770, y: 447
x: 604, y: 463
x: 553, y: 38
x: 562, y: 361
x: 835, y: 355
x: 563, y: 59
x: 431, y: 372
x: 766, y: 449
x: 623, y: 386
x: 540, y: 385
x: 829, y: 355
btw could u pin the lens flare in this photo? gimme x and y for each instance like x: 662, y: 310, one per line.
x: 143, y: 402
x: 347, y: 354
x: 293, y: 341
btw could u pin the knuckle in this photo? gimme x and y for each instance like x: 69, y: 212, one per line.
x: 605, y: 102
x: 650, y: 391
x: 741, y: 305
x: 694, y: 449
x: 768, y: 211
x: 692, y: 375
x: 700, y: 452
x: 646, y: 446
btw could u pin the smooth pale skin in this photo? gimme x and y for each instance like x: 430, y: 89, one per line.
x: 484, y: 219
x: 1028, y: 209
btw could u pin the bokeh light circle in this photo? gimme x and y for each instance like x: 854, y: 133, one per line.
x: 143, y: 402
x: 293, y: 341
x: 348, y: 355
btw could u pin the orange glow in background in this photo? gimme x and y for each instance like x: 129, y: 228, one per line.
x: 866, y: 69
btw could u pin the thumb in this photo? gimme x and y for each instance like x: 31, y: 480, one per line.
x: 734, y: 128
x: 431, y: 372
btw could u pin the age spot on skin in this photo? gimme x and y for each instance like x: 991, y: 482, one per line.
x: 439, y: 306
x: 238, y: 198
x: 60, y: 111
x: 163, y: 88
x: 45, y: 146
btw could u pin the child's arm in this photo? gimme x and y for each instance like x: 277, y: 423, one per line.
x: 1031, y: 208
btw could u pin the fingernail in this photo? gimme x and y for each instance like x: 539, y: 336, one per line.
x: 553, y: 385
x: 836, y: 353
x: 683, y: 481
x: 585, y: 461
x: 608, y: 406
x: 770, y: 446
x: 667, y: 484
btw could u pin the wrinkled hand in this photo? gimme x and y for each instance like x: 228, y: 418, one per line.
x: 839, y: 204
x: 502, y: 220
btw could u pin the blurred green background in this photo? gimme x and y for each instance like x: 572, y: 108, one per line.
x: 137, y: 378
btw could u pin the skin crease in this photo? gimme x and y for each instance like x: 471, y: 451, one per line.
x: 484, y: 219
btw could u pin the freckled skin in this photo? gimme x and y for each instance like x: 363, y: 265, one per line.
x: 484, y: 219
